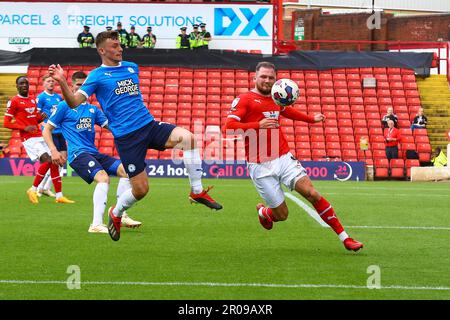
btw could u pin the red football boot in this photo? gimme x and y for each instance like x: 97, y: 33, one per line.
x: 205, y: 199
x: 266, y: 222
x: 114, y: 224
x: 353, y: 245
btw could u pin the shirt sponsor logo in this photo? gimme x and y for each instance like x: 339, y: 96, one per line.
x: 271, y: 114
x: 126, y: 86
x: 84, y: 123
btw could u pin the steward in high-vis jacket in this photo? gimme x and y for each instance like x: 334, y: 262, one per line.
x: 182, y: 41
x: 85, y: 38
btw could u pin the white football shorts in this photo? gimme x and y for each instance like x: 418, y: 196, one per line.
x: 268, y: 177
x: 35, y: 148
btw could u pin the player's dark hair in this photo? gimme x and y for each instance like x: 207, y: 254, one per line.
x: 104, y: 35
x: 20, y: 77
x: 78, y: 75
x: 265, y: 64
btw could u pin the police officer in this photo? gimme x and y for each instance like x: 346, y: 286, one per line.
x: 194, y: 37
x: 85, y: 38
x: 123, y: 35
x: 133, y: 38
x: 149, y: 40
x: 205, y: 37
x: 182, y: 41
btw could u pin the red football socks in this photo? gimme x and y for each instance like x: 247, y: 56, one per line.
x: 268, y: 214
x: 326, y: 212
x: 41, y: 173
x: 56, y: 178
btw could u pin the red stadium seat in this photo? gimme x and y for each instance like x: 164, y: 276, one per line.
x: 381, y: 168
x: 411, y: 163
x: 397, y: 168
x: 349, y: 155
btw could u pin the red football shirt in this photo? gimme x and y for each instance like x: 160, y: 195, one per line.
x: 261, y: 145
x: 24, y: 111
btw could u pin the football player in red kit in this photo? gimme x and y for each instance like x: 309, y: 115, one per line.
x: 256, y: 116
x: 22, y: 108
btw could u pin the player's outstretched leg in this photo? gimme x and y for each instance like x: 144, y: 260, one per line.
x: 127, y: 221
x: 326, y: 212
x: 99, y: 199
x: 265, y: 216
x: 56, y: 180
x: 183, y: 139
x: 47, y: 186
x: 32, y: 192
x: 114, y: 223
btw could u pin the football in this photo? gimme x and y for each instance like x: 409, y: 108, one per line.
x: 285, y: 92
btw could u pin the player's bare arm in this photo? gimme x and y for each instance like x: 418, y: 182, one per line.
x: 57, y: 157
x: 72, y: 99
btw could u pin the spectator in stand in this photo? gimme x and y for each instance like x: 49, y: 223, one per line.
x: 182, y: 41
x: 4, y: 150
x: 392, y: 138
x: 439, y: 159
x: 123, y: 35
x: 134, y: 40
x: 149, y: 40
x: 85, y: 38
x: 420, y: 121
x: 389, y: 116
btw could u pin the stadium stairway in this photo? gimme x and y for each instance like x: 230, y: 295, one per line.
x: 7, y: 90
x: 435, y: 97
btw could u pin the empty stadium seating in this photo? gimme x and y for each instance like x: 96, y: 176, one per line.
x: 203, y: 96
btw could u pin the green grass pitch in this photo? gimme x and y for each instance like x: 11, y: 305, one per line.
x: 185, y: 251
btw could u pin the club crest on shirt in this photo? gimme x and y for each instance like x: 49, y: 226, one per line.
x: 30, y: 110
x: 234, y: 104
x: 271, y: 114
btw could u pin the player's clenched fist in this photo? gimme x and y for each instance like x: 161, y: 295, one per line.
x: 56, y: 72
x: 268, y: 123
x: 319, y: 117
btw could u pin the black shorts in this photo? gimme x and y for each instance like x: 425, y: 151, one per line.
x: 87, y: 165
x: 132, y: 147
x: 59, y: 141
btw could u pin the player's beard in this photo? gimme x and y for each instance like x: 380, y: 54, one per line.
x: 264, y: 89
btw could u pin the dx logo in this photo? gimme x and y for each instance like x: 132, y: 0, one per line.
x: 227, y: 21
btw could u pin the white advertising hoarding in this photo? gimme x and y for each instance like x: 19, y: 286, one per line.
x: 247, y: 27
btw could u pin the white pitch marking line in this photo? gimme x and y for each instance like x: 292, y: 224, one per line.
x: 312, y: 213
x: 316, y: 217
x: 217, y: 284
x: 399, y: 227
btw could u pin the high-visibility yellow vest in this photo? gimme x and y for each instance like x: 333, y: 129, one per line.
x: 440, y: 160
